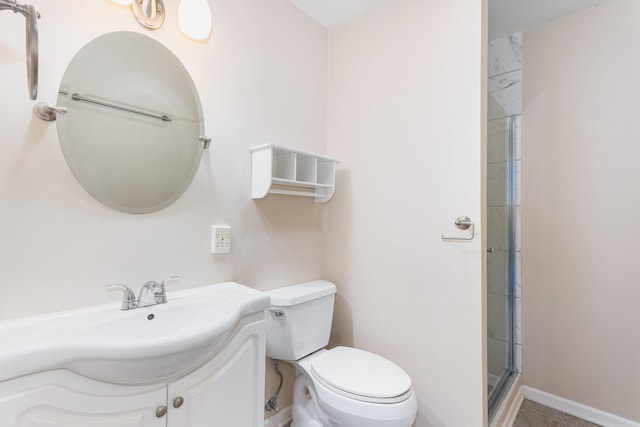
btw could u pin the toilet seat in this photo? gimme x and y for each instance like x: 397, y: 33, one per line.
x: 348, y: 409
x: 360, y: 375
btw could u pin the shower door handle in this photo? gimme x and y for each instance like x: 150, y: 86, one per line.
x: 463, y: 223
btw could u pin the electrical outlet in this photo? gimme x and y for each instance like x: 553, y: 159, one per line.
x: 221, y: 239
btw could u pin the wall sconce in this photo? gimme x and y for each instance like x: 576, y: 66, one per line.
x: 148, y: 13
x: 194, y: 16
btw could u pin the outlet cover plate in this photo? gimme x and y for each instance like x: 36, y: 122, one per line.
x: 221, y: 239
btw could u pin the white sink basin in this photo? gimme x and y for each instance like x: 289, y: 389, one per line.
x: 138, y: 346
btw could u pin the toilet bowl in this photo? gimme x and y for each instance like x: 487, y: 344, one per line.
x: 338, y: 387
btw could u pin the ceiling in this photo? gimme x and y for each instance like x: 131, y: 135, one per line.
x: 332, y: 12
x: 505, y: 16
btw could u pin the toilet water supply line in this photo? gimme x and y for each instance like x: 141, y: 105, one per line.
x: 272, y: 403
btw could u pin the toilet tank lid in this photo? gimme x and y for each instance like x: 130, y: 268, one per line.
x: 303, y: 292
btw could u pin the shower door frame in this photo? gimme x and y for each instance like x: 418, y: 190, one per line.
x: 505, y: 381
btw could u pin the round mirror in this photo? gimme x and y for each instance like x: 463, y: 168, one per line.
x: 131, y: 134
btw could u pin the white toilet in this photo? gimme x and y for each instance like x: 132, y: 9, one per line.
x: 341, y: 387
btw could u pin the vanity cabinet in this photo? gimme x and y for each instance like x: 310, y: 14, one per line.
x: 227, y: 391
x: 62, y: 399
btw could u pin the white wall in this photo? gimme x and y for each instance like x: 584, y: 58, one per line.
x: 580, y: 197
x: 406, y: 88
x: 262, y: 78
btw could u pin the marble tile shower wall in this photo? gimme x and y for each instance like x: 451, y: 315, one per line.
x: 505, y: 89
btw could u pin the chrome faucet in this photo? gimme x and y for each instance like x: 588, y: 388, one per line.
x: 152, y: 293
x: 128, y: 300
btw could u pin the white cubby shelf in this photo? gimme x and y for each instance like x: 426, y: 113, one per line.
x: 280, y: 170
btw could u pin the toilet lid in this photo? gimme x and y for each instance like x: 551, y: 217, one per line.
x: 361, y: 373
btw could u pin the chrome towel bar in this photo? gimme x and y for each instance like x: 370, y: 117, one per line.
x: 80, y: 98
x: 32, y: 16
x: 48, y: 112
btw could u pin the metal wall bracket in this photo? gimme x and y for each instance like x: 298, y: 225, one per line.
x: 148, y: 13
x: 46, y: 111
x: 205, y: 140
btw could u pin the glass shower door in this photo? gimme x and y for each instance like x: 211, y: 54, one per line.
x: 500, y: 257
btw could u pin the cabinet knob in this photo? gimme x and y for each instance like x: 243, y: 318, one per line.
x: 178, y: 401
x: 161, y: 411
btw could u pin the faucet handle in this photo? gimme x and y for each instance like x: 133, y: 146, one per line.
x: 161, y: 297
x: 169, y: 279
x: 128, y: 299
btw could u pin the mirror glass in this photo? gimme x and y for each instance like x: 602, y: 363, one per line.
x: 133, y: 122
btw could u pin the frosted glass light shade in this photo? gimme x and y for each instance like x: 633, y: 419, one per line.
x: 194, y: 18
x: 125, y: 2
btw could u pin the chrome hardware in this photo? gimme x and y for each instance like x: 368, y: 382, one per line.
x: 463, y: 223
x: 32, y: 16
x: 148, y: 13
x: 161, y: 297
x: 152, y: 293
x: 271, y: 405
x: 149, y: 294
x: 46, y: 111
x: 80, y: 98
x: 128, y: 299
x: 16, y: 8
x: 161, y: 411
x: 276, y: 313
x: 178, y: 401
x: 206, y: 140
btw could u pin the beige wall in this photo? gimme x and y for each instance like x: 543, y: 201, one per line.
x: 262, y: 78
x: 405, y: 101
x: 580, y: 198
x: 405, y: 95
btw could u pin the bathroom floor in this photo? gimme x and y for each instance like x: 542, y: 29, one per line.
x: 532, y: 414
x: 535, y: 415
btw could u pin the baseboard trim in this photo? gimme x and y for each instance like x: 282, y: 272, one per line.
x: 508, y: 409
x: 576, y: 409
x: 281, y: 418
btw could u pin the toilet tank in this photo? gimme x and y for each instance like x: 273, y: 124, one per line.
x: 299, y: 321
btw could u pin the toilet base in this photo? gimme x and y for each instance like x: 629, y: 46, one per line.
x: 332, y: 410
x: 305, y: 411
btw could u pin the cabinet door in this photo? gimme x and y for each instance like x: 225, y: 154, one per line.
x: 227, y: 391
x: 63, y: 399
